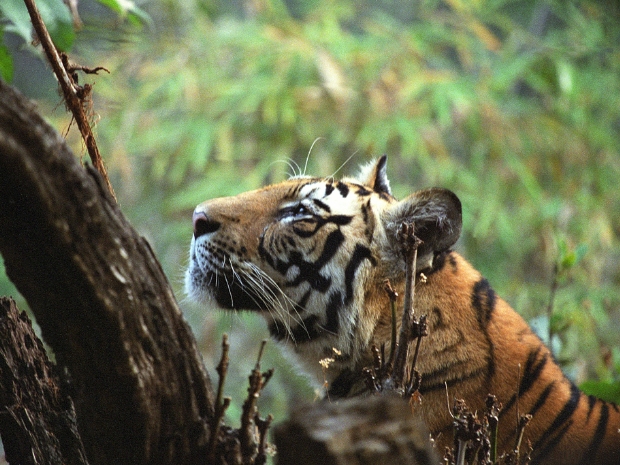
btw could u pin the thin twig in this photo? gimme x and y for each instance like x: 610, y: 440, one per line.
x: 393, y: 295
x: 249, y: 445
x: 221, y: 404
x: 372, y: 375
x: 493, y: 409
x: 419, y: 330
x: 410, y: 244
x: 523, y: 422
x: 370, y: 379
x: 263, y: 427
x: 70, y: 90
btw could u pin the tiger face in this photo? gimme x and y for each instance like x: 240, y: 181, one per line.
x: 309, y: 254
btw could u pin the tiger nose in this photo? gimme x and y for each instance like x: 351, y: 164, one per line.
x: 203, y: 224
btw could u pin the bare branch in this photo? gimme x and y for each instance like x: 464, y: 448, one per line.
x: 74, y: 95
x: 410, y: 244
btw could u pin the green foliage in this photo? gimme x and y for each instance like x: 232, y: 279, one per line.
x: 129, y: 10
x: 6, y: 61
x: 18, y: 20
x: 512, y: 104
x: 14, y: 18
x: 607, y: 388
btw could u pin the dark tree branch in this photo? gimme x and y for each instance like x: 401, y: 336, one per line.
x: 103, y: 303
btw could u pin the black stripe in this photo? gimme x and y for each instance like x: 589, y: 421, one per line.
x: 542, y: 398
x: 309, y: 271
x: 365, y: 208
x: 361, y: 190
x: 332, y: 312
x: 537, y: 405
x: 599, y: 434
x: 342, y: 188
x: 322, y: 205
x: 439, y: 262
x: 453, y: 264
x: 452, y: 346
x: 343, y: 383
x: 263, y: 254
x: 591, y: 403
x: 540, y: 454
x: 329, y: 188
x: 360, y: 254
x: 483, y: 300
x: 277, y: 331
x: 567, y: 411
x: 319, y: 222
x: 332, y: 244
x: 532, y: 370
x: 303, y: 332
x: 425, y: 388
x: 297, y: 189
x: 369, y: 221
x: 307, y: 330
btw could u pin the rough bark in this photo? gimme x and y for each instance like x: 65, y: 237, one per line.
x: 360, y: 431
x: 103, y: 303
x: 37, y: 419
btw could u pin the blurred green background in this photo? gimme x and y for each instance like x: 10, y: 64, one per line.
x: 513, y: 105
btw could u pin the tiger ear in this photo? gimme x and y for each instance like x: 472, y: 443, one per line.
x: 374, y: 175
x: 436, y: 214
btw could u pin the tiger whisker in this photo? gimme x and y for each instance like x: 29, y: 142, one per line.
x: 342, y: 166
x: 303, y: 173
x: 268, y: 287
x: 270, y: 298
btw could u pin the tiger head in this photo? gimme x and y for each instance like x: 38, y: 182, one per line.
x: 311, y: 255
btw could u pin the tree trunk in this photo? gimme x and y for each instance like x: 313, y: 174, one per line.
x: 37, y: 423
x: 103, y: 303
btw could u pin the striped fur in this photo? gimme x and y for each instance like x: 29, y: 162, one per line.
x: 311, y: 255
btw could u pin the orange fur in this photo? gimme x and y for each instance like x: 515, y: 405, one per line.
x: 489, y: 355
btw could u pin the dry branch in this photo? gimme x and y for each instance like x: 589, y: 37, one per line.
x: 101, y: 298
x: 410, y: 244
x: 74, y: 94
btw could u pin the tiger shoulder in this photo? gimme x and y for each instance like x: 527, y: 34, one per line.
x: 311, y: 255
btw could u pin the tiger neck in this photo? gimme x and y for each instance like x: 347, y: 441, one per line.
x: 352, y: 382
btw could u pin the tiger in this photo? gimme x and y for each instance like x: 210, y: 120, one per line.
x: 311, y: 256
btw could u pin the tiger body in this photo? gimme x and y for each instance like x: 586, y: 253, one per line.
x: 311, y: 255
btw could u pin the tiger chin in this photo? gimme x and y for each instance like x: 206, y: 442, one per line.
x: 311, y: 255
